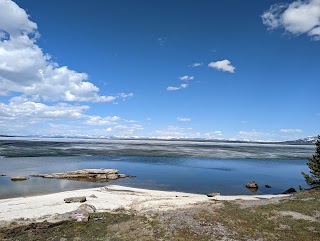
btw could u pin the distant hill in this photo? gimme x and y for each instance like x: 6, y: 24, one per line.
x: 305, y: 141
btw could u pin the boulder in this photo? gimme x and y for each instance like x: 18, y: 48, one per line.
x: 19, y: 178
x: 87, y: 207
x: 290, y: 190
x: 122, y: 175
x: 213, y: 194
x: 267, y: 186
x: 252, y: 185
x: 75, y: 199
x: 93, y: 196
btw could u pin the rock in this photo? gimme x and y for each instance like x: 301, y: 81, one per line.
x: 89, y: 174
x: 101, y: 176
x: 1, y: 175
x: 252, y: 185
x: 113, y: 176
x: 93, y: 196
x: 290, y: 190
x: 213, y: 194
x: 75, y: 199
x: 267, y: 186
x: 87, y: 207
x: 19, y: 178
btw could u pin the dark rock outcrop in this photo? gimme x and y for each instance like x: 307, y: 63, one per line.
x: 213, y: 194
x: 290, y: 190
x: 267, y: 186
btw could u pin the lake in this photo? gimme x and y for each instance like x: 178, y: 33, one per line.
x: 188, y: 166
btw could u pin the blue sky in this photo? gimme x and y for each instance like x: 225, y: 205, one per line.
x: 189, y: 69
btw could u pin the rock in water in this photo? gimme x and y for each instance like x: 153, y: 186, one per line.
x: 267, y: 186
x: 290, y: 190
x: 75, y: 199
x: 19, y: 178
x: 87, y: 174
x: 87, y: 207
x: 213, y: 194
x: 252, y: 185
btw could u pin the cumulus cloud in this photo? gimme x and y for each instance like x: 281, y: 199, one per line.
x: 20, y: 109
x: 223, y: 65
x: 186, y: 77
x: 299, y: 17
x: 291, y: 130
x: 26, y: 69
x: 183, y: 119
x: 172, y: 88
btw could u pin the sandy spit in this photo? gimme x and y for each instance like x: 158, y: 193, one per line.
x: 107, y: 198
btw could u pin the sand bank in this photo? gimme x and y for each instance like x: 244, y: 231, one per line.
x: 109, y: 198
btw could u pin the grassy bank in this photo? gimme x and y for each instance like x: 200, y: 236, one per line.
x: 296, y: 218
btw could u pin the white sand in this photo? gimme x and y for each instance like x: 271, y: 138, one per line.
x: 108, y: 199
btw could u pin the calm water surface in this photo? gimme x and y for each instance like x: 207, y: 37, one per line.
x: 197, y: 167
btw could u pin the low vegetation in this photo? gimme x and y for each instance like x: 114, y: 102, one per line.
x: 296, y: 218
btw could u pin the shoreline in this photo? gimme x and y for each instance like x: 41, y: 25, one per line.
x: 108, y: 199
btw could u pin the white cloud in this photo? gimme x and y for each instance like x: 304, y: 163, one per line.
x: 13, y: 19
x: 26, y: 69
x: 126, y: 95
x: 182, y: 86
x: 196, y: 65
x: 22, y: 116
x: 175, y: 132
x: 172, y: 132
x: 20, y: 109
x: 123, y: 130
x: 291, y: 130
x: 186, y: 77
x: 224, y: 65
x: 183, y: 119
x: 299, y: 17
x: 98, y: 120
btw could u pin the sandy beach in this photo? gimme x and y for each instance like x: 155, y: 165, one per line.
x: 110, y: 198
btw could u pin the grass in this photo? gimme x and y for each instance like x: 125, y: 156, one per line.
x: 266, y: 223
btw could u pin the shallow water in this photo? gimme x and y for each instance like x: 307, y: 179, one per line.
x: 196, y: 167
